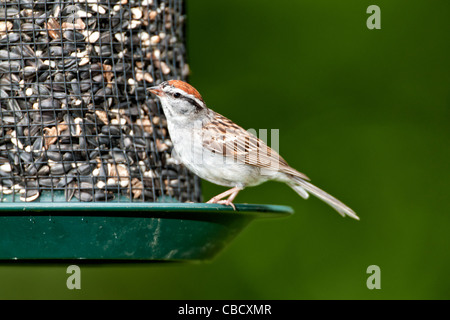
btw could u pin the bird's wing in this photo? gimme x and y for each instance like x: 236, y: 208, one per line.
x: 223, y: 136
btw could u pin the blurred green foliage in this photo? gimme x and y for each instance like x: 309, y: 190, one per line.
x: 364, y: 113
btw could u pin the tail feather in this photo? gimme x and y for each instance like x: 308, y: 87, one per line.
x: 300, y: 190
x: 302, y: 187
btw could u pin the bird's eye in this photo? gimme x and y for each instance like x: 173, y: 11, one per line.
x: 176, y: 95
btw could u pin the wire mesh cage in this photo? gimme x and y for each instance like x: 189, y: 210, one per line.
x: 76, y: 121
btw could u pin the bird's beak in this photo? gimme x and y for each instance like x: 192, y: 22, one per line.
x: 156, y: 90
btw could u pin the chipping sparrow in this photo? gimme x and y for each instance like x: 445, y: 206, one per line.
x: 218, y: 150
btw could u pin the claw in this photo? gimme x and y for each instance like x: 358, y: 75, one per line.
x: 227, y: 203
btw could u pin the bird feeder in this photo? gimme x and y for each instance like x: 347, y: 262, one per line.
x: 86, y: 167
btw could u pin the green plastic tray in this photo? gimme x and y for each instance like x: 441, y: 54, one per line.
x: 122, y: 232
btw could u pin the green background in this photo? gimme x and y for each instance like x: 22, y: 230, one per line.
x: 364, y: 113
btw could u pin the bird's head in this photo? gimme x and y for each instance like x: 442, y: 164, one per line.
x: 178, y: 98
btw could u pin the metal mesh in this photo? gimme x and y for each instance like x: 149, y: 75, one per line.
x: 76, y: 121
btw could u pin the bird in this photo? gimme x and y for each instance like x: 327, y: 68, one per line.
x: 217, y: 150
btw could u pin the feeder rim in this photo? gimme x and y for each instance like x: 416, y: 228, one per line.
x: 122, y: 208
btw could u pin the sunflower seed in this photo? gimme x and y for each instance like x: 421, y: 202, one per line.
x: 60, y: 168
x: 83, y: 196
x: 30, y: 195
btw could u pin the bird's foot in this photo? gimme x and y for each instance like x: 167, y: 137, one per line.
x: 232, y: 193
x: 227, y: 203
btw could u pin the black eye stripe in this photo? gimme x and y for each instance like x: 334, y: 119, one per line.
x: 198, y: 107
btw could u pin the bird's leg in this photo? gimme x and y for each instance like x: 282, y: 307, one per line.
x: 223, y: 195
x: 229, y: 201
x: 233, y: 192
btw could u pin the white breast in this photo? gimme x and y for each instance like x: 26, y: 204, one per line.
x: 187, y: 141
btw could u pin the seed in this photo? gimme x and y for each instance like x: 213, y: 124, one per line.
x: 121, y: 37
x: 161, y: 146
x: 65, y: 181
x: 111, y: 182
x: 58, y: 51
x: 136, y: 13
x: 83, y: 14
x: 83, y: 196
x: 5, y: 26
x: 47, y: 182
x: 155, y: 39
x: 30, y: 196
x: 50, y: 104
x: 93, y: 37
x: 148, y: 77
x: 164, y: 68
x: 43, y: 171
x: 100, y: 184
x: 84, y: 61
x: 85, y: 169
x: 119, y: 156
x: 10, y: 37
x: 97, y: 8
x: 73, y: 36
x: 53, y: 28
x: 8, y: 12
x: 6, y: 167
x: 69, y: 191
x: 60, y: 168
x: 100, y: 196
x: 111, y: 130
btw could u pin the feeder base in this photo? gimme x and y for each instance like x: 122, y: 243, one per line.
x: 124, y: 232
